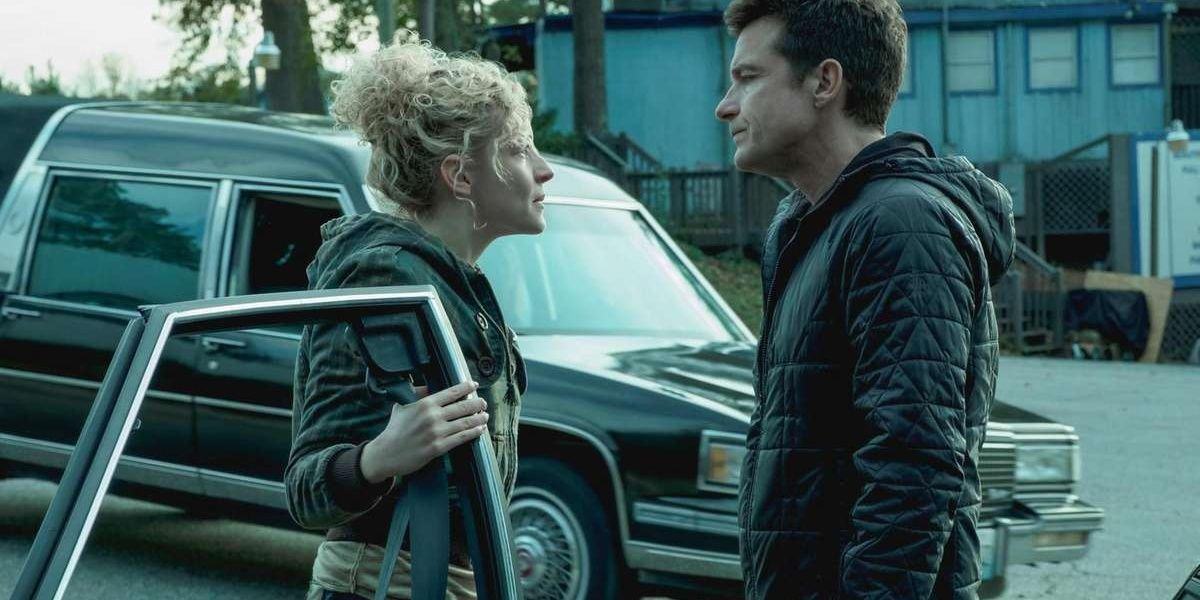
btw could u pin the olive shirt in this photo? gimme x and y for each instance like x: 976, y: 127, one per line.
x: 334, y: 415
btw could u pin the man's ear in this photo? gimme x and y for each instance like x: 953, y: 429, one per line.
x: 830, y: 83
x: 455, y: 176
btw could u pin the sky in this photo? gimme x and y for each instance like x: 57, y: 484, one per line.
x: 72, y: 33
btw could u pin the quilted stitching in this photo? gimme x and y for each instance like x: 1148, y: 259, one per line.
x: 878, y: 374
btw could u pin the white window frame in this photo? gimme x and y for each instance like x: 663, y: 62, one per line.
x: 958, y: 60
x: 1037, y: 55
x: 1115, y: 57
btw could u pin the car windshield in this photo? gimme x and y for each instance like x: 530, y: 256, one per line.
x: 600, y: 271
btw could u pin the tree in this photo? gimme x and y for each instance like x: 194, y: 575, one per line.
x: 213, y: 83
x: 507, y: 12
x: 48, y: 85
x: 9, y: 87
x: 591, y: 103
x: 118, y: 77
x: 295, y: 85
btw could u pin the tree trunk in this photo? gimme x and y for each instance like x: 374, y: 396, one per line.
x: 295, y: 86
x: 386, y: 11
x: 591, y: 103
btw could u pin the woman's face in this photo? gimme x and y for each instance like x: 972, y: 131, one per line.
x: 511, y: 204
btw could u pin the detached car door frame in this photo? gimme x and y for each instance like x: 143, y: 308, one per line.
x: 68, y: 522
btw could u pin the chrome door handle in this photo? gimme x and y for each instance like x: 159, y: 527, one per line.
x: 213, y: 344
x: 9, y: 312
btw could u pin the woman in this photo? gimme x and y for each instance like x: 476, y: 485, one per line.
x: 452, y: 159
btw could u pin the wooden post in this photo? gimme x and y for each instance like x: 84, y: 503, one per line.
x: 1018, y: 310
x: 737, y: 202
x: 1154, y: 200
x: 678, y: 199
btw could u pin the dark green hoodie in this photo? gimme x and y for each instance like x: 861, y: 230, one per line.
x: 333, y: 415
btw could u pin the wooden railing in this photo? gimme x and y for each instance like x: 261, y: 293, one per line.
x: 701, y: 207
x: 1029, y: 302
x: 714, y: 208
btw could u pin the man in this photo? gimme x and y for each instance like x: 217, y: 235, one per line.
x: 878, y: 355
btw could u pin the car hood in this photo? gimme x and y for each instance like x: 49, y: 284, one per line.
x: 718, y: 371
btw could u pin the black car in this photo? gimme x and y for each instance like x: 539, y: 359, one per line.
x: 639, y: 398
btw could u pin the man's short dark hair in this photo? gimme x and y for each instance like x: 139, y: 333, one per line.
x: 868, y: 37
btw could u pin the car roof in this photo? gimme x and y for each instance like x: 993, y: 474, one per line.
x: 232, y: 141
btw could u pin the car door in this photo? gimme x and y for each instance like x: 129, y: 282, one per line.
x: 244, y: 378
x: 425, y: 340
x: 103, y: 245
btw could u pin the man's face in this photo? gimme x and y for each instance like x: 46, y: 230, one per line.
x: 765, y: 106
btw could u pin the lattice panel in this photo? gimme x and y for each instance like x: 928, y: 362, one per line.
x: 1183, y: 329
x: 1076, y: 196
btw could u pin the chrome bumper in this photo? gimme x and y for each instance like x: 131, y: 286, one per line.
x: 681, y: 560
x: 1037, y: 533
x: 1047, y: 533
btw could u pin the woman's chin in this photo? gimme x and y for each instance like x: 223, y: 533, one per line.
x: 537, y: 224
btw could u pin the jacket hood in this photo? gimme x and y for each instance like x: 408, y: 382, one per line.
x: 342, y: 238
x: 986, y: 203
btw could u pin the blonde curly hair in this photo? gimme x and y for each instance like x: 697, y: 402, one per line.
x: 415, y: 105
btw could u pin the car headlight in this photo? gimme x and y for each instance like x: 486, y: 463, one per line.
x: 1047, y: 464
x: 721, y: 457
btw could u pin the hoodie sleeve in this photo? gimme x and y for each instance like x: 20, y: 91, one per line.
x: 909, y: 294
x: 332, y: 414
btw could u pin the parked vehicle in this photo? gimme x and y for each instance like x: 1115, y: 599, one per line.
x: 639, y: 398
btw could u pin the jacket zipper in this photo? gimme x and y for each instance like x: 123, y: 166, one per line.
x: 769, y: 309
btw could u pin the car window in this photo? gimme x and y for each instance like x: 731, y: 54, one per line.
x: 591, y: 272
x: 276, y: 236
x: 120, y: 243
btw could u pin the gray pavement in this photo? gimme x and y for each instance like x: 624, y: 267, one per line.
x: 1139, y: 428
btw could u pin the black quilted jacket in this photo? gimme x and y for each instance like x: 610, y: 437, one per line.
x: 876, y: 371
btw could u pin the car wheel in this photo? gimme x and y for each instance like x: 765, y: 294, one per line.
x: 564, y: 547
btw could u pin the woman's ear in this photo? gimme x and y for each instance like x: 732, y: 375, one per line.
x: 455, y: 176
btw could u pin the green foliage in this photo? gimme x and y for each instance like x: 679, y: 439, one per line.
x: 200, y: 22
x: 354, y: 22
x: 9, y: 87
x: 44, y: 85
x: 551, y: 141
x: 545, y: 136
x: 509, y: 12
x: 213, y: 83
x: 737, y: 279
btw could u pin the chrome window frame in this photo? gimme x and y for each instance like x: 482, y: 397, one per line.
x: 69, y: 520
x: 229, y: 218
x: 21, y: 286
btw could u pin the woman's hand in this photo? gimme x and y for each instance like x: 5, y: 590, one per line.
x: 424, y: 430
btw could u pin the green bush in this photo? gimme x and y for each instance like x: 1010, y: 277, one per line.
x: 737, y: 280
